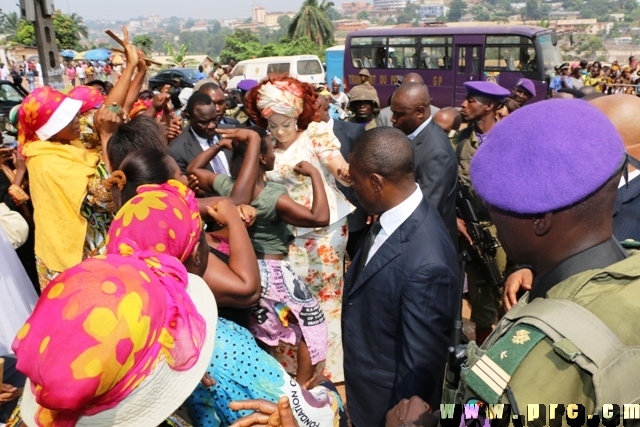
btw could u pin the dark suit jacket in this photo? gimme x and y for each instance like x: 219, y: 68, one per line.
x: 186, y: 147
x: 626, y: 214
x: 347, y: 133
x: 437, y: 173
x: 397, y: 318
x: 230, y: 121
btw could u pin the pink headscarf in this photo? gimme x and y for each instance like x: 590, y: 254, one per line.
x: 100, y: 327
x: 89, y: 95
x: 164, y: 218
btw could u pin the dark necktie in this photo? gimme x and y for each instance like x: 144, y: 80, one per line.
x: 218, y: 166
x: 368, y: 243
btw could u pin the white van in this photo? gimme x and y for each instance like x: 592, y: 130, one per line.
x: 306, y: 68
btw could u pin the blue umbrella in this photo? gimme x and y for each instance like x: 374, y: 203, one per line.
x: 97, y: 55
x: 68, y: 53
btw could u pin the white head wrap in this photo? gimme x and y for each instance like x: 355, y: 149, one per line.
x: 280, y: 98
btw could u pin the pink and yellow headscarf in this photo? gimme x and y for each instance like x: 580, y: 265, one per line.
x: 90, y: 96
x: 164, y: 218
x: 100, y: 328
x: 280, y: 97
x: 44, y: 113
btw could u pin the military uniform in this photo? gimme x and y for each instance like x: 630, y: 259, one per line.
x: 485, y: 299
x: 573, y: 338
x: 532, y: 368
x: 368, y: 93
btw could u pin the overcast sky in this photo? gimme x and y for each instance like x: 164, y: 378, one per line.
x: 126, y: 9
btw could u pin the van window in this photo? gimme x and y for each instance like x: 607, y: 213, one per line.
x: 307, y: 67
x: 238, y: 71
x: 280, y: 68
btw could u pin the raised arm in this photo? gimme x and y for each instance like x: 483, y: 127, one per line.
x: 300, y: 216
x: 238, y: 283
x: 245, y: 183
x: 198, y: 165
x: 136, y: 84
x: 118, y: 94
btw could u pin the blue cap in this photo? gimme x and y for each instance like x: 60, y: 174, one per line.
x: 487, y: 89
x: 574, y: 150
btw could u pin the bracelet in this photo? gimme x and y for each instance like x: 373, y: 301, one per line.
x: 18, y: 195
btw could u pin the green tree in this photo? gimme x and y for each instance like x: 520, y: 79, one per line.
x: 284, y: 21
x: 190, y: 23
x: 409, y: 14
x: 333, y: 14
x: 312, y: 21
x: 144, y: 42
x: 67, y: 31
x: 25, y: 34
x: 363, y: 15
x: 79, y: 23
x: 215, y: 27
x: 532, y: 10
x: 178, y: 59
x: 9, y: 24
x: 457, y: 8
x: 480, y: 13
x: 240, y: 45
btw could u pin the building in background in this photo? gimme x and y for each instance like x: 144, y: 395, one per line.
x: 258, y: 14
x: 432, y: 10
x: 389, y: 5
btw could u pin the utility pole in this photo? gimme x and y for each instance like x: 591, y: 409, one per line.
x: 40, y: 12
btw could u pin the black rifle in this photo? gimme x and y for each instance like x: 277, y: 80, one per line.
x: 457, y: 351
x: 484, y: 244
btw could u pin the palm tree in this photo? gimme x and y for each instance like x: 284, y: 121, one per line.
x: 312, y: 21
x: 79, y: 23
x: 178, y: 58
x: 9, y: 24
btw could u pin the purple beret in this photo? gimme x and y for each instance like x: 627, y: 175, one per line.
x: 487, y: 89
x: 546, y: 156
x: 527, y: 85
x: 247, y: 84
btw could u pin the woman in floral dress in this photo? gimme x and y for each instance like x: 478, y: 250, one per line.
x: 287, y: 108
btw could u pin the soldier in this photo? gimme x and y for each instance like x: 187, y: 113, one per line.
x: 363, y: 102
x: 551, y: 194
x: 479, y: 111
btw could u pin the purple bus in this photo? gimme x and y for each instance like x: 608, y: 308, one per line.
x: 446, y: 57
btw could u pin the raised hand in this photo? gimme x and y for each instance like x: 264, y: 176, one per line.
x: 222, y: 212
x: 304, y: 168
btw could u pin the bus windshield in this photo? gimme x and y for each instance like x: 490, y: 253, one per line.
x: 551, y: 55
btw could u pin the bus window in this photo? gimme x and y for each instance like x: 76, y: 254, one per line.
x: 402, y: 52
x: 551, y: 55
x: 278, y: 68
x: 238, y: 71
x: 462, y: 61
x: 435, y: 53
x: 306, y: 67
x: 510, y: 53
x: 369, y: 52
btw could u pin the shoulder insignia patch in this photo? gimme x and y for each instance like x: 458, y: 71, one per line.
x: 520, y: 337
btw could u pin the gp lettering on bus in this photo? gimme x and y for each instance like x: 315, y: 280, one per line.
x: 437, y: 80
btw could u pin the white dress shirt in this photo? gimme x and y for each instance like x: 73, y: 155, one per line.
x: 205, y: 146
x: 393, y: 218
x: 632, y: 175
x: 420, y: 128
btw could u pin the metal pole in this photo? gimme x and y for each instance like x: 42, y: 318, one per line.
x: 47, y: 47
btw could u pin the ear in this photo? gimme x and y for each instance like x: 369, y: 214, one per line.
x: 262, y: 159
x: 542, y: 224
x: 195, y: 255
x: 421, y: 110
x: 377, y: 182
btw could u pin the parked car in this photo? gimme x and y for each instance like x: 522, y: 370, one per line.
x: 11, y: 95
x: 306, y: 68
x: 187, y: 78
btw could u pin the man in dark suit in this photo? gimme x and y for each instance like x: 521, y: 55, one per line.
x: 347, y: 133
x: 217, y: 96
x: 199, y: 135
x: 436, y: 163
x: 399, y: 294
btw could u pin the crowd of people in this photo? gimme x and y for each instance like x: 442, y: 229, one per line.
x: 287, y: 255
x: 607, y: 79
